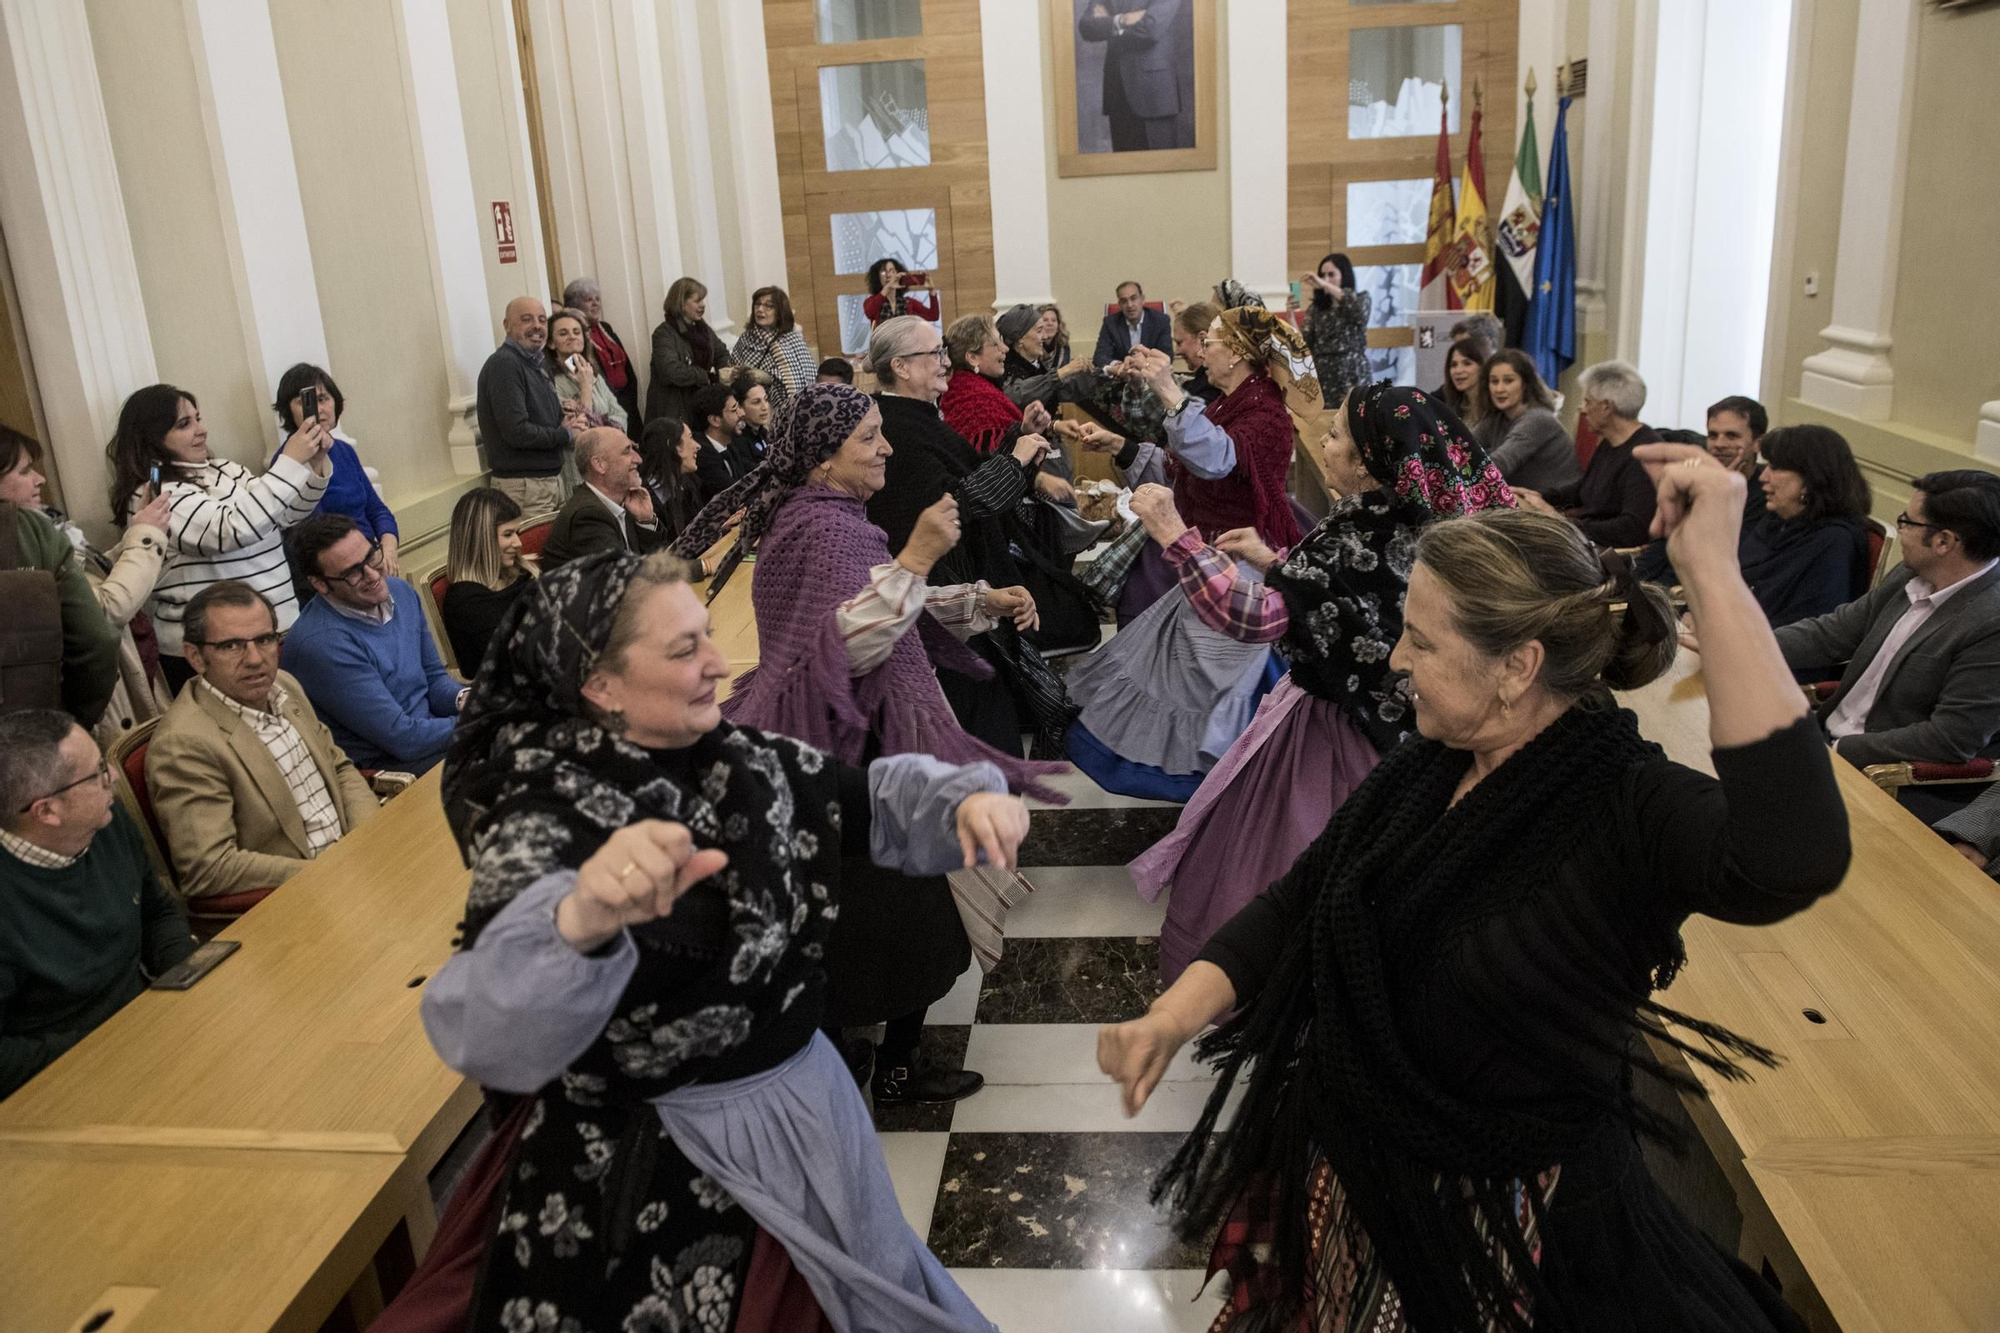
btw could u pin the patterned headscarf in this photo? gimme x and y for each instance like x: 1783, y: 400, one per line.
x: 811, y: 427
x: 1270, y: 341
x: 1414, y: 445
x: 1235, y: 295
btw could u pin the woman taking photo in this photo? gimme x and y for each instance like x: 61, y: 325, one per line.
x: 1336, y: 327
x: 487, y: 573
x: 349, y: 490
x: 773, y: 344
x: 888, y: 297
x: 687, y: 353
x: 668, y: 452
x: 653, y: 889
x: 222, y: 522
x: 1517, y: 425
x: 1395, y: 462
x: 1442, y: 1005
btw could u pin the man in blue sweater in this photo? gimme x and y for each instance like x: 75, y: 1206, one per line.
x: 364, y: 654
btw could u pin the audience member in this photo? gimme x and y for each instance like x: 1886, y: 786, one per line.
x: 845, y: 666
x: 1460, y: 390
x: 577, y: 374
x: 753, y: 395
x: 1055, y: 337
x: 835, y: 370
x: 1131, y: 325
x: 668, y: 457
x: 1230, y: 294
x: 364, y: 654
x: 687, y: 353
x: 1167, y: 696
x: 893, y: 292
x: 1516, y: 424
x: 488, y: 572
x: 119, y: 583
x: 1974, y: 830
x: 1736, y: 429
x: 1142, y: 92
x: 222, y: 522
x: 1022, y: 376
x: 349, y: 489
x: 929, y: 461
x: 591, y: 756
x: 773, y: 344
x: 1613, y: 501
x: 726, y: 457
x: 84, y: 922
x: 522, y: 420
x: 611, y: 510
x: 1336, y: 327
x: 613, y: 361
x: 1807, y: 554
x: 1919, y: 656
x: 247, y: 783
x: 1443, y: 1007
x: 973, y: 403
x: 1395, y: 461
x: 1482, y: 329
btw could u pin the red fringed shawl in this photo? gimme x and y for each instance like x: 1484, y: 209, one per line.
x: 1255, y: 494
x: 975, y: 407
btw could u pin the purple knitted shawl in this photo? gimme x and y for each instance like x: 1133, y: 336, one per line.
x: 818, y: 552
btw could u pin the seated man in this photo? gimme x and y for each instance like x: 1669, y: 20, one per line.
x: 1974, y: 830
x: 1613, y: 503
x: 1131, y: 325
x: 1919, y: 656
x: 363, y: 653
x: 611, y: 510
x: 835, y: 370
x: 247, y: 783
x: 1736, y: 430
x: 725, y: 457
x: 83, y: 920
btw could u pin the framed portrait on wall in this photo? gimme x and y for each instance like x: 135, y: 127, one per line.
x: 1135, y: 85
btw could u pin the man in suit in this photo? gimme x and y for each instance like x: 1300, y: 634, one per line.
x: 1142, y: 94
x: 246, y: 780
x: 725, y: 456
x: 1921, y: 653
x: 611, y: 511
x: 1132, y: 325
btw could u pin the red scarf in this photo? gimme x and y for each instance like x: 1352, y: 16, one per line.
x: 609, y: 355
x: 975, y: 407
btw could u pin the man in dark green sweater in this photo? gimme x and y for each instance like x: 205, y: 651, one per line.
x: 90, y: 642
x: 83, y: 919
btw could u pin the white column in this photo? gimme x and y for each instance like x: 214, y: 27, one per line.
x: 1854, y: 376
x: 257, y: 185
x: 452, y: 217
x: 752, y: 143
x: 1259, y: 244
x: 1017, y: 155
x: 1543, y: 46
x: 64, y: 217
x: 1986, y: 436
x: 532, y: 258
x: 701, y: 228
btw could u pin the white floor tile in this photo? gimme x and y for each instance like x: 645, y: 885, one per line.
x: 1045, y: 1053
x: 1030, y: 1300
x: 1055, y: 1108
x: 1083, y: 900
x: 960, y: 1002
x: 916, y: 1164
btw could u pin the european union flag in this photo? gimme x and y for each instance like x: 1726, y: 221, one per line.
x: 1550, y: 337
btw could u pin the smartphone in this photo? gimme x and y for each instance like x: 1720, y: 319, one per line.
x: 309, y: 404
x: 570, y: 364
x: 196, y: 965
x: 154, y: 473
x: 1298, y: 291
x: 915, y: 280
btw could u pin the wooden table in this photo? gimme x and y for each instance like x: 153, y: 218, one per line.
x: 735, y: 623
x: 172, y: 1240
x: 1882, y: 1126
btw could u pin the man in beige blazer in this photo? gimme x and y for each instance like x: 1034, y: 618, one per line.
x: 246, y: 781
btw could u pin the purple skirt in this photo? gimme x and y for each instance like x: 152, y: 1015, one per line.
x: 1269, y: 797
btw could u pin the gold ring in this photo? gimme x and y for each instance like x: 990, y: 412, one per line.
x: 630, y: 866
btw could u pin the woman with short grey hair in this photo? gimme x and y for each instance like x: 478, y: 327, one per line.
x: 620, y: 375
x: 1613, y: 502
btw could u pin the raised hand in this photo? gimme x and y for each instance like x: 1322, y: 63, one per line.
x: 639, y: 504
x: 152, y: 514
x: 1016, y: 604
x: 1099, y: 440
x: 936, y: 532
x: 1030, y: 450
x: 636, y: 877
x: 1154, y: 506
x: 992, y: 823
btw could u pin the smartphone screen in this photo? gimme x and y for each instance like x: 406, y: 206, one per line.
x: 155, y: 473
x: 571, y: 363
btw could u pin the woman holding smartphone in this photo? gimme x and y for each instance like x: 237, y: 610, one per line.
x: 307, y: 392
x: 892, y: 291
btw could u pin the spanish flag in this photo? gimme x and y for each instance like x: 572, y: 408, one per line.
x: 1470, y: 262
x: 1444, y: 223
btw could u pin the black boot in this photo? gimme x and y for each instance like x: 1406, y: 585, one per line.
x: 924, y: 1084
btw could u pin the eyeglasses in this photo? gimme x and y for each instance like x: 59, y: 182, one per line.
x: 353, y: 576
x: 1905, y: 521
x: 940, y: 352
x: 264, y: 643
x: 101, y: 775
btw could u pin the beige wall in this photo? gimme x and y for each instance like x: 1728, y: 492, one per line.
x: 1169, y: 232
x: 158, y: 138
x: 479, y: 51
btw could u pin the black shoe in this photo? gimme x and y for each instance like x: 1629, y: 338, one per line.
x: 925, y: 1085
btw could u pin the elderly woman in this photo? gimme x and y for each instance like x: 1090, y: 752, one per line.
x: 932, y: 460
x: 613, y: 362
x: 1168, y: 695
x: 973, y: 402
x: 687, y: 353
x: 1516, y: 424
x: 1023, y: 375
x: 1442, y: 1006
x: 773, y: 344
x: 1231, y: 294
x: 850, y: 642
x: 1613, y: 501
x: 222, y: 522
x: 349, y: 489
x: 653, y: 889
x: 1396, y: 462
x: 1336, y: 327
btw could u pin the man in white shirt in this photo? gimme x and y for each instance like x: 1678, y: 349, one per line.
x: 611, y: 511
x: 1919, y: 656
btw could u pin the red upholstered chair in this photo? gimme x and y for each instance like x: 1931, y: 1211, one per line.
x: 1890, y: 777
x: 127, y: 757
x: 431, y: 591
x: 1586, y: 441
x: 1881, y: 550
x: 535, y: 533
x: 1112, y: 308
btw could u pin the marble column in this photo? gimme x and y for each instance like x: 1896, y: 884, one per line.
x: 1854, y: 375
x: 1017, y: 162
x: 1259, y: 240
x: 70, y: 248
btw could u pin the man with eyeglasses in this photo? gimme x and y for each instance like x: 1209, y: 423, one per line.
x: 83, y: 920
x: 1919, y: 656
x: 247, y: 782
x: 365, y: 655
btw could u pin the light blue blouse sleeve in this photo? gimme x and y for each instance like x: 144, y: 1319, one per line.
x: 913, y: 802
x: 1203, y: 447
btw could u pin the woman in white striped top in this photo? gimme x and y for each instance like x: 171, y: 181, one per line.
x: 222, y: 522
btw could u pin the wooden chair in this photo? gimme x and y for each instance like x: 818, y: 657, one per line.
x: 1891, y: 777
x: 430, y: 591
x: 1881, y: 550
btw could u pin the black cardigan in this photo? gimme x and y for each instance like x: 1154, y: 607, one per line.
x: 1614, y: 502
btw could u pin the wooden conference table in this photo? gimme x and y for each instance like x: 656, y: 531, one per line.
x: 1867, y: 1166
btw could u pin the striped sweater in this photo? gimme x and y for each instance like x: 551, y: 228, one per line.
x: 228, y: 524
